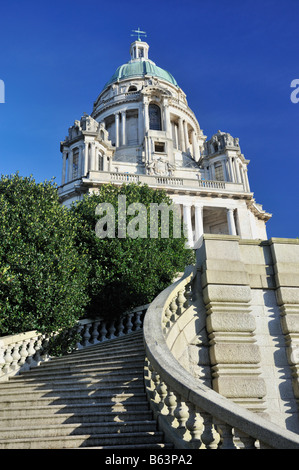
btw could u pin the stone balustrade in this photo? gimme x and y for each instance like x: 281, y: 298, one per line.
x: 23, y: 351
x: 191, y: 414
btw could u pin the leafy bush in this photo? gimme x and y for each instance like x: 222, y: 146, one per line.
x: 43, y: 275
x: 127, y: 272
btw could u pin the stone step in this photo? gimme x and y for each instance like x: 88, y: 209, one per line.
x: 24, y: 409
x: 96, y: 440
x: 122, y: 374
x: 94, y: 390
x: 85, y: 364
x: 41, y: 419
x: 35, y: 384
x: 69, y: 400
x: 83, y: 371
x: 79, y: 429
x: 101, y: 355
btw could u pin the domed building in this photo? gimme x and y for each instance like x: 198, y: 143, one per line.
x: 141, y: 129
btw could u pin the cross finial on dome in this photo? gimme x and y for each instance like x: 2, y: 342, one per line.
x: 138, y: 32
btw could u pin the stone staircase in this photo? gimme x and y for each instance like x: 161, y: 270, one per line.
x: 92, y: 398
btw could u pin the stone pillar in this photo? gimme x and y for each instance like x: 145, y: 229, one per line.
x: 231, y: 172
x: 123, y: 128
x: 167, y: 126
x: 70, y: 166
x: 237, y: 168
x: 64, y: 157
x: 116, y: 130
x: 235, y: 356
x: 86, y: 158
x: 198, y: 221
x: 195, y: 148
x: 146, y: 116
x: 285, y: 255
x: 231, y: 222
x: 246, y: 179
x: 186, y: 136
x: 188, y: 223
x: 181, y: 135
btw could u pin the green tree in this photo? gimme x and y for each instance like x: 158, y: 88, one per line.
x: 43, y: 275
x: 127, y: 272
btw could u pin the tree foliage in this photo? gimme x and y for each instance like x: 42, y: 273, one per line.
x: 127, y: 272
x: 43, y: 276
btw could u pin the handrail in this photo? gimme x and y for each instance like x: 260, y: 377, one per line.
x: 191, y: 414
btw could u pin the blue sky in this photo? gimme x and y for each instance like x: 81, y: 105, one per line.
x: 235, y: 60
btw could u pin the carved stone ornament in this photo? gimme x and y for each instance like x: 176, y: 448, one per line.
x: 160, y: 167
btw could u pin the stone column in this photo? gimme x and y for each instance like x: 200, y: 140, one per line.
x: 285, y: 255
x: 64, y: 157
x: 86, y: 158
x: 176, y: 136
x: 231, y: 172
x: 123, y: 127
x: 231, y: 222
x: 116, y: 130
x: 237, y: 168
x: 181, y: 135
x: 188, y: 223
x: 145, y: 116
x: 246, y: 179
x: 186, y: 136
x: 70, y: 166
x: 195, y: 148
x: 198, y: 221
x: 167, y: 126
x: 235, y: 356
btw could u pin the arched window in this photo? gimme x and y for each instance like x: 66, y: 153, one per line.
x: 154, y: 117
x: 132, y: 88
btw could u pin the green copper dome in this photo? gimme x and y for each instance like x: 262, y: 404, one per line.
x: 140, y: 68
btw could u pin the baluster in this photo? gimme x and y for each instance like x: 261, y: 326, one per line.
x: 243, y: 440
x: 167, y: 317
x: 15, y: 356
x: 103, y: 331
x: 188, y: 295
x: 120, y: 327
x: 8, y: 359
x: 38, y: 350
x: 171, y: 403
x: 94, y: 332
x: 181, y: 413
x: 156, y: 381
x: 86, y: 335
x: 129, y: 324
x: 195, y: 426
x: 210, y: 437
x: 181, y: 299
x: 45, y: 343
x: 173, y: 307
x: 138, y: 322
x: 80, y: 328
x: 226, y: 436
x: 23, y: 353
x: 31, y: 352
x: 162, y: 391
x: 111, y: 330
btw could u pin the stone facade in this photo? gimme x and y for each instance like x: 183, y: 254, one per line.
x: 141, y: 129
